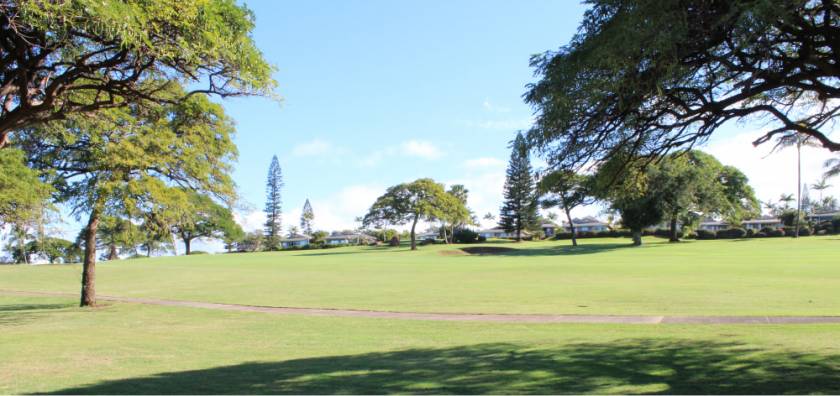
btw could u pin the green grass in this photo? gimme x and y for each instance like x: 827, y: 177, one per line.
x: 48, y: 345
x: 779, y: 276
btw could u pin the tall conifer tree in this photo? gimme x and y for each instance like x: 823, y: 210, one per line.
x: 306, y: 218
x: 519, y: 210
x: 273, y: 206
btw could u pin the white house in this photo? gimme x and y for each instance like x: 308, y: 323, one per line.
x: 296, y: 240
x: 501, y: 233
x: 426, y: 236
x: 820, y: 217
x: 762, y: 222
x: 587, y: 224
x: 549, y: 229
x: 349, y: 239
x: 713, y: 225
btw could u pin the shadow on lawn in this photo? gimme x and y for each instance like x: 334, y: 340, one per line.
x: 566, y: 250
x: 632, y: 366
x: 17, y: 314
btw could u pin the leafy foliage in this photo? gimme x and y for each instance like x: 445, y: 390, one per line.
x: 407, y: 203
x: 62, y: 58
x: 647, y: 76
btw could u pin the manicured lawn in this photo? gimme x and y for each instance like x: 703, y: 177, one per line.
x: 48, y: 345
x: 778, y: 276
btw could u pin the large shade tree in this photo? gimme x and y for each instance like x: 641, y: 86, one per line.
x: 408, y: 203
x: 203, y: 217
x: 60, y: 58
x: 651, y: 76
x: 122, y: 161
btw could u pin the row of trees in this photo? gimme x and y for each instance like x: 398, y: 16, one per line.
x: 95, y: 116
x: 678, y: 188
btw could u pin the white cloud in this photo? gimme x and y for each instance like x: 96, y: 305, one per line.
x: 494, y: 108
x: 771, y: 174
x: 421, y: 149
x: 484, y: 162
x: 313, y: 148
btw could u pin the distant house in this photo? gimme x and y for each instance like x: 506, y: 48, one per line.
x: 587, y: 224
x: 549, y: 229
x: 295, y: 241
x: 426, y: 236
x: 501, y: 233
x: 820, y: 217
x: 762, y: 222
x: 712, y: 225
x: 349, y: 239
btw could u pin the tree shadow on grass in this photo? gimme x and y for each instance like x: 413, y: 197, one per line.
x: 567, y: 250
x: 18, y: 314
x: 631, y: 366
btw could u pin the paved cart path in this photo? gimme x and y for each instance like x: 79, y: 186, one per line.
x: 467, y: 317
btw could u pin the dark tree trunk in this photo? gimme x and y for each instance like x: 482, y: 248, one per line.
x: 89, y: 267
x: 187, y: 249
x: 798, y: 187
x: 413, y: 241
x: 637, y: 237
x: 571, y: 225
x: 674, y: 236
x: 112, y: 252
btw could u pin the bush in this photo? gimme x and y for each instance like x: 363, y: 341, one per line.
x: 464, y: 235
x: 481, y: 238
x: 776, y: 232
x: 822, y: 232
x: 731, y: 233
x: 805, y: 231
x: 604, y: 234
x: 826, y: 227
x: 751, y: 233
x: 706, y: 234
x: 587, y: 234
x: 788, y: 230
x: 835, y: 222
x: 394, y: 242
x: 563, y: 235
x: 761, y: 234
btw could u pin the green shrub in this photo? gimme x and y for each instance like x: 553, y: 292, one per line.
x: 751, y: 233
x: 563, y: 235
x: 776, y: 232
x: 394, y: 242
x: 706, y: 234
x: 805, y: 231
x: 481, y: 238
x: 464, y: 235
x: 761, y: 234
x: 731, y: 233
x: 197, y: 252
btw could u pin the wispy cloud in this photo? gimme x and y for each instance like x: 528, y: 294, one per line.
x: 421, y: 149
x: 312, y: 148
x: 484, y: 162
x: 489, y: 106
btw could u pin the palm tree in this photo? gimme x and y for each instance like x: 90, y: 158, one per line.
x: 786, y: 199
x: 832, y: 167
x: 796, y: 139
x: 771, y: 206
x: 821, y: 186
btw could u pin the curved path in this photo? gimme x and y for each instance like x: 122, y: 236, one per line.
x: 468, y: 317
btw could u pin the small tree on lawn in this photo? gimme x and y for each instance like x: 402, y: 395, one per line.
x: 519, y: 210
x: 422, y: 199
x: 566, y: 189
x: 204, y: 218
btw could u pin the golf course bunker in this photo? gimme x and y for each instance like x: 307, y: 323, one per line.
x: 486, y: 250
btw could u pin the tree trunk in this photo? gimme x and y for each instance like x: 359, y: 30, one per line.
x: 571, y: 225
x: 674, y: 236
x: 112, y: 252
x: 798, y: 188
x: 89, y: 266
x: 187, y: 242
x: 637, y: 237
x: 413, y: 241
x: 445, y: 237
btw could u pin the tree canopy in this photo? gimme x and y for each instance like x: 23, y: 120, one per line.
x: 649, y: 76
x: 422, y: 199
x: 566, y: 189
x: 69, y: 57
x: 133, y: 160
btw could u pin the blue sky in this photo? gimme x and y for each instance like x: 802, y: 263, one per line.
x: 381, y: 92
x: 377, y: 93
